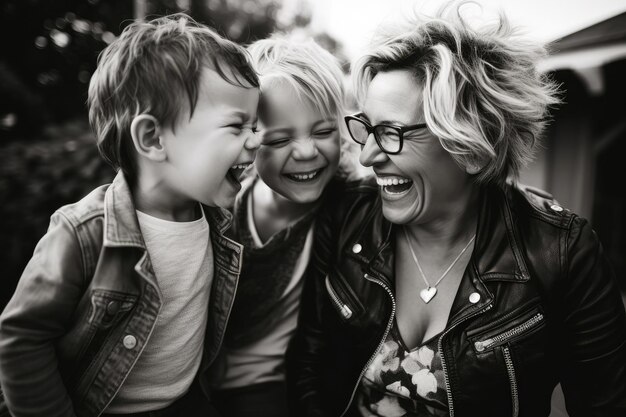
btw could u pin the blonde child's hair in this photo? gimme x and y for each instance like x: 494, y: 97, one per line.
x: 155, y: 68
x: 314, y: 75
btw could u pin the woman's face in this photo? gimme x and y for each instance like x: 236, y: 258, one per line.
x: 429, y: 183
x: 300, y: 147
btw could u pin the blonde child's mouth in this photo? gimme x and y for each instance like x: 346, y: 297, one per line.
x: 304, y: 176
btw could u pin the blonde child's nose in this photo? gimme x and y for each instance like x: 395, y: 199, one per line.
x: 304, y: 148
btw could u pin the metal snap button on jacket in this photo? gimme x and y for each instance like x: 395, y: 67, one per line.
x: 113, y: 307
x: 356, y: 248
x: 556, y: 208
x: 130, y: 341
x: 474, y: 297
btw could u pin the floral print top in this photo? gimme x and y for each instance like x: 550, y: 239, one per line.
x: 402, y: 382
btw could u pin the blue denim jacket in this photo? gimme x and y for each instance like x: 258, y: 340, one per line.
x: 87, y: 303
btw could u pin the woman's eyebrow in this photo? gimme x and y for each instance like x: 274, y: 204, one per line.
x: 362, y: 116
x: 393, y: 122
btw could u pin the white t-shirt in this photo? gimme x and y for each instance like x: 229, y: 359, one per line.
x: 182, y: 260
x: 263, y: 360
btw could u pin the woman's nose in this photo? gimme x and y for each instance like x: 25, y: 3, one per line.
x: 371, y: 154
x: 304, y: 148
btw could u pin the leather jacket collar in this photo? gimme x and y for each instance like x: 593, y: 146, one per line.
x: 497, y: 255
x: 120, y: 222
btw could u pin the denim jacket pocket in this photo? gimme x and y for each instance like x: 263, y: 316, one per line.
x: 108, y: 308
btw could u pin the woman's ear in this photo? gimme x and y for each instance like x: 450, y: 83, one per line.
x: 145, y: 132
x: 473, y: 167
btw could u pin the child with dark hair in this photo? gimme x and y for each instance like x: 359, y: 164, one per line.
x: 125, y: 300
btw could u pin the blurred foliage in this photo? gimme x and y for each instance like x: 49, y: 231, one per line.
x: 36, y: 178
x: 47, y: 58
x: 49, y: 51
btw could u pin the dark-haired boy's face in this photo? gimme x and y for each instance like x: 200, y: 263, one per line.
x: 207, y: 153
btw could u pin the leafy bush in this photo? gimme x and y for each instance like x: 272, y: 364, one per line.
x: 36, y: 178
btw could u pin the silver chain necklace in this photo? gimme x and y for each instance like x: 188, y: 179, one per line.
x: 429, y: 292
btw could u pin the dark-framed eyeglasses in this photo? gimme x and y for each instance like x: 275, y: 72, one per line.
x: 388, y: 137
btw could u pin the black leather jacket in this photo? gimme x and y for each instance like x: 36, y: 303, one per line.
x: 549, y: 311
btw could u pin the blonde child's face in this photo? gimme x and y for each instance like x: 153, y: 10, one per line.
x: 207, y: 153
x: 300, y: 147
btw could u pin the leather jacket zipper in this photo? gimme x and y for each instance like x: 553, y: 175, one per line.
x: 502, y: 338
x: 387, y: 329
x: 510, y: 369
x: 443, y: 360
x: 343, y: 308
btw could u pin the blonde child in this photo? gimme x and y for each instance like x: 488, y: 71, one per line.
x: 297, y: 170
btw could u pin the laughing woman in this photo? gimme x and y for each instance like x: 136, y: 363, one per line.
x: 446, y: 289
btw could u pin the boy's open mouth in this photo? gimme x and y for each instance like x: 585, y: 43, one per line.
x: 394, y: 185
x: 236, y: 171
x: 304, y: 176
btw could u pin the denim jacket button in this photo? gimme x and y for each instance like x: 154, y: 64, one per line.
x: 113, y: 307
x: 130, y: 341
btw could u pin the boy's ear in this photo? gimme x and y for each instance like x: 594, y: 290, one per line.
x: 145, y: 132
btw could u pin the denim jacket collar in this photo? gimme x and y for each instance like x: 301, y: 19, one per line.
x: 120, y: 221
x: 121, y: 227
x: 219, y: 219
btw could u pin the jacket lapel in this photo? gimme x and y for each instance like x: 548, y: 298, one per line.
x: 497, y: 255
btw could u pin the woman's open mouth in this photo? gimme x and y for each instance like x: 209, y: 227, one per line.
x: 394, y: 185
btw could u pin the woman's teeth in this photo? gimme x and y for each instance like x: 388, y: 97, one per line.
x: 387, y: 181
x: 394, y: 185
x: 240, y: 166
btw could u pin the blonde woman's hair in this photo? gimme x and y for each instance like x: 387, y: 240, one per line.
x: 483, y: 96
x: 155, y: 68
x: 315, y: 76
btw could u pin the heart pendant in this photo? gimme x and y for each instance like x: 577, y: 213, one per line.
x: 427, y: 294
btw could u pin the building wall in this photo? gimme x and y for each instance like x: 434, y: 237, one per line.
x: 582, y: 159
